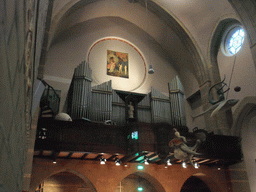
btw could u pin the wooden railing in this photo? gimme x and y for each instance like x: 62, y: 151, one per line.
x: 84, y: 136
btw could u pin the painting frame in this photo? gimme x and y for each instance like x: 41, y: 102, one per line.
x: 117, y: 64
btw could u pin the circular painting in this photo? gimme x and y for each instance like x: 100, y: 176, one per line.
x: 119, y: 61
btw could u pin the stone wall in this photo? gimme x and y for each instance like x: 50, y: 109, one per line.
x: 18, y: 69
x: 15, y: 89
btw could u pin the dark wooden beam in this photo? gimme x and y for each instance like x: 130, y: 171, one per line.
x: 112, y: 158
x: 69, y: 155
x: 140, y: 155
x: 97, y: 157
x: 84, y: 156
x: 130, y: 157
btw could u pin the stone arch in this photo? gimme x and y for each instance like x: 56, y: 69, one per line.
x: 77, y: 174
x: 145, y: 176
x: 221, y: 124
x: 199, y: 69
x: 202, y: 182
x: 244, y: 127
x: 215, y: 45
x: 246, y: 11
x: 242, y: 114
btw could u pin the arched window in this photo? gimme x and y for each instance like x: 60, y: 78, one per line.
x: 233, y: 40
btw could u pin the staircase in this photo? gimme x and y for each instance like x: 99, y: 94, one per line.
x: 50, y: 102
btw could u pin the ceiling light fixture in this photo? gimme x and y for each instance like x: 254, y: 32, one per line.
x: 103, y: 161
x: 197, y: 165
x: 184, y: 164
x: 146, y: 161
x: 150, y: 70
x: 118, y: 162
x: 168, y: 162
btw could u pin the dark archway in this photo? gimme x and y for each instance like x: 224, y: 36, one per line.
x: 65, y: 182
x: 194, y: 184
x: 143, y: 181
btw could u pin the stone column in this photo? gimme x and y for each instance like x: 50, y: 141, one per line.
x: 246, y: 9
x: 237, y: 178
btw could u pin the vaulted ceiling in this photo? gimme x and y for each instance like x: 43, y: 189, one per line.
x: 183, y: 29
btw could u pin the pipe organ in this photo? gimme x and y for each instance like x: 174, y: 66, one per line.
x: 176, y: 96
x: 144, y: 109
x: 101, y: 103
x: 81, y: 92
x: 102, y: 98
x: 118, y: 109
x: 160, y: 107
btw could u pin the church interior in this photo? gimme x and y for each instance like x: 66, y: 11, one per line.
x: 127, y: 95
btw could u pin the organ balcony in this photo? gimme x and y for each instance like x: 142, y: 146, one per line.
x: 132, y: 143
x: 136, y: 133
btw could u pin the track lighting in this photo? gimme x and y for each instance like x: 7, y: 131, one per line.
x: 184, y: 164
x: 197, y: 165
x: 168, y: 162
x: 103, y: 161
x: 146, y: 161
x: 118, y: 162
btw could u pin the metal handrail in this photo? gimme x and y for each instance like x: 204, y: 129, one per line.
x: 52, y: 102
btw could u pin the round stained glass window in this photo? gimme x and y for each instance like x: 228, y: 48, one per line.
x: 234, y: 40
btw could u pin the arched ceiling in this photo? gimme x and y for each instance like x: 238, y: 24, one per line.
x: 182, y: 28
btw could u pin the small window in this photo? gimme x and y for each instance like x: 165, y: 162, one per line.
x: 233, y: 40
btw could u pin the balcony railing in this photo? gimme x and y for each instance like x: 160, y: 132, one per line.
x: 133, y: 142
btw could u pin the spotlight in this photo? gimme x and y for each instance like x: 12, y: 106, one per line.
x: 103, y: 161
x: 118, y: 162
x: 146, y: 161
x: 197, y: 165
x: 54, y: 162
x: 165, y: 167
x: 184, y: 164
x: 168, y: 162
x: 219, y: 168
x: 125, y: 165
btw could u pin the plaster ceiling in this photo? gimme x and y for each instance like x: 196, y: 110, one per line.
x: 182, y: 28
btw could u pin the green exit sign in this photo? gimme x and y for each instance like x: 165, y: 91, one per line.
x: 135, y: 135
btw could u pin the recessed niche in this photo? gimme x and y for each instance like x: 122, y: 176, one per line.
x: 98, y: 61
